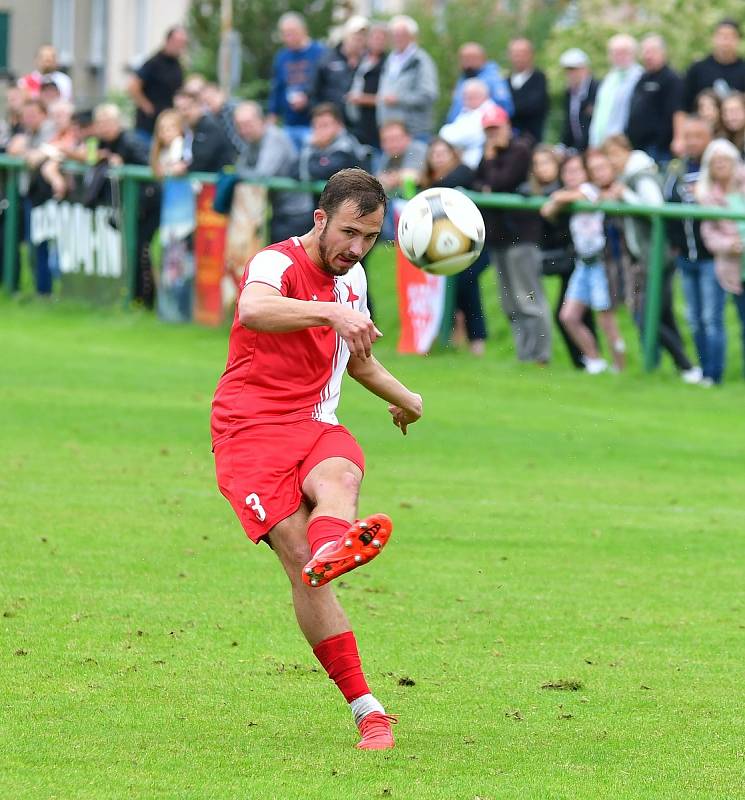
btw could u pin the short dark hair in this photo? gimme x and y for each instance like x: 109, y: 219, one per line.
x: 356, y: 185
x: 327, y: 108
x: 174, y: 29
x: 729, y: 22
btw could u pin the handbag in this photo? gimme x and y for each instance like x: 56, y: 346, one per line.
x: 224, y: 189
x: 557, y: 262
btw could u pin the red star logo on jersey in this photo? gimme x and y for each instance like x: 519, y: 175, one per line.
x: 352, y: 296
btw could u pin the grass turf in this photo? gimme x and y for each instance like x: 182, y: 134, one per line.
x: 559, y: 614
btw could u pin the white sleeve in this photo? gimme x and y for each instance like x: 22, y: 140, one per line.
x: 268, y: 267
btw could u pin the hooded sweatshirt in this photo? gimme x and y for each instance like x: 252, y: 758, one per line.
x: 641, y: 188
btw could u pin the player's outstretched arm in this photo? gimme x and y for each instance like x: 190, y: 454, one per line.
x: 405, y: 406
x: 263, y: 308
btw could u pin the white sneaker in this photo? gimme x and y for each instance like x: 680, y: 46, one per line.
x: 692, y: 375
x: 594, y: 366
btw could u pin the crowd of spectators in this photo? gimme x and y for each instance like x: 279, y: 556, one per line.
x: 640, y: 134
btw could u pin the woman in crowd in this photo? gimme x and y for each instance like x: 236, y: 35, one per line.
x: 722, y: 183
x: 708, y: 106
x: 443, y: 167
x: 588, y: 285
x: 167, y: 149
x: 552, y: 237
x: 733, y: 120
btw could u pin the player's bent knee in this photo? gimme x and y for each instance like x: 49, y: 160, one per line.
x: 351, y: 483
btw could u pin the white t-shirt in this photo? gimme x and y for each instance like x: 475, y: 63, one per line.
x: 587, y: 227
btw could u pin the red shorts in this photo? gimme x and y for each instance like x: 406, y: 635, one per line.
x: 261, y: 469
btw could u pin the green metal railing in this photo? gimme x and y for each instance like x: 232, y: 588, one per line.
x: 131, y: 175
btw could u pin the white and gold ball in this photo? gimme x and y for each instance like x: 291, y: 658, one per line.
x: 441, y: 231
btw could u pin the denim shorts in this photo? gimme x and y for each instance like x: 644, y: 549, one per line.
x: 589, y: 285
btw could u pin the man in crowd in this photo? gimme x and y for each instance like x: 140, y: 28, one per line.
x: 152, y: 87
x: 656, y: 108
x: 46, y: 67
x: 268, y: 152
x: 611, y: 112
x: 222, y: 109
x: 504, y: 167
x: 723, y: 70
x: 465, y: 132
x: 529, y: 89
x: 474, y: 64
x: 409, y: 85
x: 363, y: 92
x: 579, y: 99
x: 292, y: 77
x: 206, y: 148
x: 337, y: 66
x: 330, y: 147
x: 704, y: 297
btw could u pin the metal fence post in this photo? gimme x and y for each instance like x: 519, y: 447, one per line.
x: 131, y: 203
x: 653, y: 294
x: 10, y: 239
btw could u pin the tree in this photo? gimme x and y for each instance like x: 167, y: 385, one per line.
x: 256, y: 22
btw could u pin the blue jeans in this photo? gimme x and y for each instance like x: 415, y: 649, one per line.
x: 39, y: 253
x: 739, y: 300
x: 704, y: 299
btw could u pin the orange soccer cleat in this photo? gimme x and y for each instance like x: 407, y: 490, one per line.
x: 360, y: 544
x: 375, y: 729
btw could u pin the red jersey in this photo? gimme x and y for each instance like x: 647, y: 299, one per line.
x: 284, y: 377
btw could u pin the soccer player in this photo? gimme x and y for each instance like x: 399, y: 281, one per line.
x: 288, y: 469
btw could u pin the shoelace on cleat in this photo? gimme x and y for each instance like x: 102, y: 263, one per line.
x: 376, y: 724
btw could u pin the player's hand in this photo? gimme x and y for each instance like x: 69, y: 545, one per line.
x: 357, y: 330
x: 403, y: 416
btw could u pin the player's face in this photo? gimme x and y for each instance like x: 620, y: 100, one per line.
x: 346, y: 237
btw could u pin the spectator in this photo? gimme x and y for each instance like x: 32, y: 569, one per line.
x: 46, y: 67
x: 50, y: 92
x: 588, y: 284
x: 36, y: 131
x: 363, y: 92
x: 117, y: 145
x: 473, y: 64
x: 268, y: 152
x: 723, y: 70
x: 408, y: 83
x: 638, y: 184
x: 153, y: 86
x: 579, y: 99
x: 722, y: 183
x: 553, y: 239
x: 292, y: 77
x: 503, y: 168
x: 708, y: 106
x: 207, y: 149
x: 335, y: 71
x: 63, y: 140
x: 528, y: 88
x: 194, y: 83
x: 466, y: 131
x: 656, y: 107
x: 443, y: 167
x: 222, y: 109
x: 704, y: 297
x: 167, y: 150
x: 402, y: 160
x: 330, y: 147
x: 14, y: 100
x: 733, y: 119
x: 611, y: 112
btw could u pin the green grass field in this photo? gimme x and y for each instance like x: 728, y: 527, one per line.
x: 561, y: 612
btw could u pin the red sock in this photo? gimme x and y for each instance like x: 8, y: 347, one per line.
x: 325, y: 529
x: 340, y: 658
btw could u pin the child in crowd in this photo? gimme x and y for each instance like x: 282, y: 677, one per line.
x: 708, y: 106
x: 588, y: 285
x: 733, y: 120
x: 167, y: 150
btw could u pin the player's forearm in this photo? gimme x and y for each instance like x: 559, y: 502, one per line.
x: 275, y: 314
x: 376, y: 379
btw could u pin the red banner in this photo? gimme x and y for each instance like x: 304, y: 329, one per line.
x: 209, y: 255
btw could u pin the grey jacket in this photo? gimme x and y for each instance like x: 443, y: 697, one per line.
x: 417, y: 89
x: 274, y: 156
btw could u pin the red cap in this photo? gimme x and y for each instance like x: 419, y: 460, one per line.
x: 494, y: 117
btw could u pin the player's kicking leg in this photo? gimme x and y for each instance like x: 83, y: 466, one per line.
x: 337, y: 546
x: 326, y: 627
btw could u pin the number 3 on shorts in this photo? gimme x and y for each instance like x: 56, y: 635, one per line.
x: 253, y: 502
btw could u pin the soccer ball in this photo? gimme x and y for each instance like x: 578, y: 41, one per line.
x: 441, y: 231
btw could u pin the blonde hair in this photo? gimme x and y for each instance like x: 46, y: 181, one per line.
x: 719, y: 147
x: 169, y: 115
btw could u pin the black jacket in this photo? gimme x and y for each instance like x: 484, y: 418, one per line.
x: 531, y: 105
x: 210, y: 148
x: 570, y: 136
x: 332, y: 79
x: 684, y: 235
x: 708, y: 73
x: 655, y: 99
